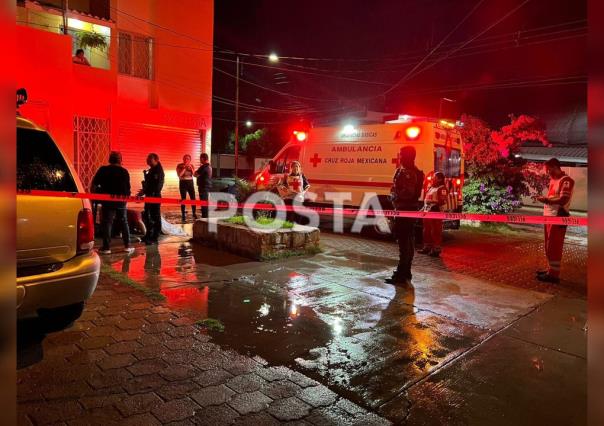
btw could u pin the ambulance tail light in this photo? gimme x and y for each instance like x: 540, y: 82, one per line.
x: 300, y: 135
x: 412, y: 132
x: 458, y: 185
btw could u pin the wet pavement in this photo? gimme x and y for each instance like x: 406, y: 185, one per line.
x: 475, y: 341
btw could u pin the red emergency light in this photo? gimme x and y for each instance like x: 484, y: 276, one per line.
x: 300, y: 135
x: 412, y: 132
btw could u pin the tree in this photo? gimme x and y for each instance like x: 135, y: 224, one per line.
x: 260, y: 143
x: 497, y: 176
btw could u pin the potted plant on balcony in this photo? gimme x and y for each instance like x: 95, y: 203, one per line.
x: 92, y: 40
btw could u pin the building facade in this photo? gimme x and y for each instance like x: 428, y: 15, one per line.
x: 148, y: 87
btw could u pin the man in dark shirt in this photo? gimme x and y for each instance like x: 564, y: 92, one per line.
x: 407, y: 186
x: 113, y: 179
x: 152, y: 186
x: 204, y: 181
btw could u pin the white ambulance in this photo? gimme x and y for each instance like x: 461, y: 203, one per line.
x: 362, y: 159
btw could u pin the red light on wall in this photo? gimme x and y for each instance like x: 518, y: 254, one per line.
x: 301, y: 136
x: 412, y: 132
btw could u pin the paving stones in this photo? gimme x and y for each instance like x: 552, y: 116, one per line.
x: 215, y: 415
x: 142, y: 384
x: 318, y: 396
x: 147, y: 367
x: 137, y: 404
x: 246, y: 383
x: 280, y: 389
x: 139, y: 363
x: 213, y: 377
x: 178, y: 372
x: 177, y: 390
x: 213, y: 395
x: 116, y: 361
x: 252, y: 402
x: 172, y: 411
x: 289, y: 409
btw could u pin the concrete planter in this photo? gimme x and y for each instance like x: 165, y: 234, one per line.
x: 240, y: 239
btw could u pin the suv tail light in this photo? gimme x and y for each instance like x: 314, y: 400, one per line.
x: 85, y: 239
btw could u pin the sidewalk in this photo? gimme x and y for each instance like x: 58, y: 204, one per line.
x: 474, y: 342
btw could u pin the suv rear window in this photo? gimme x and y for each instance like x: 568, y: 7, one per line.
x: 40, y: 164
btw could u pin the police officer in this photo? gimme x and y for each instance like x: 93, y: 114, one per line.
x: 152, y: 186
x: 406, y: 190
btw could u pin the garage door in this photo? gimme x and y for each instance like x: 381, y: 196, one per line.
x: 136, y: 141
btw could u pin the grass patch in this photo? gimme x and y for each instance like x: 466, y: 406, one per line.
x: 211, y: 324
x: 262, y: 221
x: 123, y: 279
x: 490, y: 228
x: 293, y: 253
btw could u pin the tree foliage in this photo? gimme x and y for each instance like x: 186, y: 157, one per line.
x: 260, y: 143
x: 497, y: 176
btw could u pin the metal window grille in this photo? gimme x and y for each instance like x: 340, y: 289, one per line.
x: 135, y: 55
x: 92, y: 145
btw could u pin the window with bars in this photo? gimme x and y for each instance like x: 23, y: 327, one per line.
x: 92, y: 144
x: 135, y: 55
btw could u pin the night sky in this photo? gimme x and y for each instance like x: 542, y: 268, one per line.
x: 533, y: 62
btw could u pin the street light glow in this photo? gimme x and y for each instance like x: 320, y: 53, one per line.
x: 273, y: 57
x: 248, y: 123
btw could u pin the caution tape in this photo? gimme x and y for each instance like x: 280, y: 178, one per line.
x: 345, y: 211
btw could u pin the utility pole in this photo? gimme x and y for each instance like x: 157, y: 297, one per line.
x: 64, y: 10
x: 237, y: 121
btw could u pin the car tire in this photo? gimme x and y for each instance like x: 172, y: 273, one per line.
x: 58, y: 319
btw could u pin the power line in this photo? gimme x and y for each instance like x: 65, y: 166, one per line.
x: 303, y: 72
x: 459, y: 24
x: 497, y: 22
x: 409, y: 75
x: 273, y: 90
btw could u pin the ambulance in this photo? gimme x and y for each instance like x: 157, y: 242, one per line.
x: 362, y: 159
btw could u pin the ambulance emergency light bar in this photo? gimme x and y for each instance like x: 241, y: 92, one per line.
x: 300, y: 135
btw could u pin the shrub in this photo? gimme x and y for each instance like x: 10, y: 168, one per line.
x: 242, y: 189
x: 488, y: 197
x: 261, y: 220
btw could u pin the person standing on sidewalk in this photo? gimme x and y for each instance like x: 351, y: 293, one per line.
x: 407, y: 187
x: 204, y: 182
x: 113, y: 179
x: 152, y: 186
x: 185, y: 171
x: 557, y: 204
x: 435, y: 200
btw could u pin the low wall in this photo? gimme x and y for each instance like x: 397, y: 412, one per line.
x: 242, y: 240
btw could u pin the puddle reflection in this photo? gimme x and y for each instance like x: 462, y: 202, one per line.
x: 370, y: 344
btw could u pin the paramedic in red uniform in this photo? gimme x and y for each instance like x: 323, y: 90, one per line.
x: 294, y: 187
x: 407, y: 186
x: 556, y: 203
x: 435, y: 200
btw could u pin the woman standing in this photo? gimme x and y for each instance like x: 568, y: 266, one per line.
x: 185, y: 171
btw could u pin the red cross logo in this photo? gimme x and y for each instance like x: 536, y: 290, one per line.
x: 315, y: 160
x: 296, y: 184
